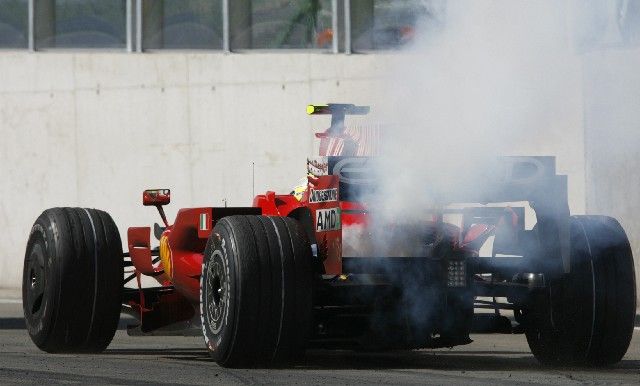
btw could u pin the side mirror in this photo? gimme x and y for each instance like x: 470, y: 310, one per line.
x: 156, y: 197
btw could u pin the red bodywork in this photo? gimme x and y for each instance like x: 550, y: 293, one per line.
x: 187, y: 237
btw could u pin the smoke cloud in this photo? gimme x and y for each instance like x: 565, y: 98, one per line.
x: 497, y: 78
x: 503, y: 77
x: 458, y: 97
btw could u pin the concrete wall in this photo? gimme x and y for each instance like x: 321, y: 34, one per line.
x: 95, y: 129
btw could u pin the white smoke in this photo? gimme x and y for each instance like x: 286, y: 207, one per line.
x: 503, y: 77
x: 476, y: 89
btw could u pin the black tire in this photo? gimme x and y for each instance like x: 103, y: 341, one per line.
x: 586, y: 317
x: 72, y: 280
x: 256, y: 291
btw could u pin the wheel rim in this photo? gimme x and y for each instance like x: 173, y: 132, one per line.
x: 217, y: 292
x: 36, y: 281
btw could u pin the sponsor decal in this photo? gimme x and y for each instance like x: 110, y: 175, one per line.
x: 323, y: 195
x: 204, y: 224
x: 317, y: 166
x: 328, y: 219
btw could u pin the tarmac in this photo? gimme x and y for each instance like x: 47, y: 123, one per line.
x: 490, y: 359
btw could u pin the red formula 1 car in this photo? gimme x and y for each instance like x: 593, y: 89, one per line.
x: 263, y: 283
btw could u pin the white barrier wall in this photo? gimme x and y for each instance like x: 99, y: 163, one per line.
x: 95, y: 129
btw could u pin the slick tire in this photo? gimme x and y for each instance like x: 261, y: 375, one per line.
x: 72, y: 280
x: 256, y: 291
x: 586, y: 318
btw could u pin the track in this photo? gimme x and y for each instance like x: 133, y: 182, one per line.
x: 180, y: 360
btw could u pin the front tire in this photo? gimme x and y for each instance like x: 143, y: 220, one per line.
x: 587, y: 316
x: 255, y: 292
x: 72, y: 280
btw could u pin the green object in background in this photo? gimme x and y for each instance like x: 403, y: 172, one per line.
x: 287, y: 24
x: 306, y: 16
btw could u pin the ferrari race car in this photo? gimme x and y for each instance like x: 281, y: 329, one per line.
x: 261, y: 284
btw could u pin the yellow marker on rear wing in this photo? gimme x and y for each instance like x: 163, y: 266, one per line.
x: 318, y: 109
x: 338, y: 108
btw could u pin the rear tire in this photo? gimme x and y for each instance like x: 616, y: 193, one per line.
x: 72, y: 280
x: 256, y: 285
x: 587, y: 316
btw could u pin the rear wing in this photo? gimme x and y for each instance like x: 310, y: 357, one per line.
x: 338, y: 111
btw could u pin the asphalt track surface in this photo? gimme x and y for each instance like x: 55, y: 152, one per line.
x: 490, y: 359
